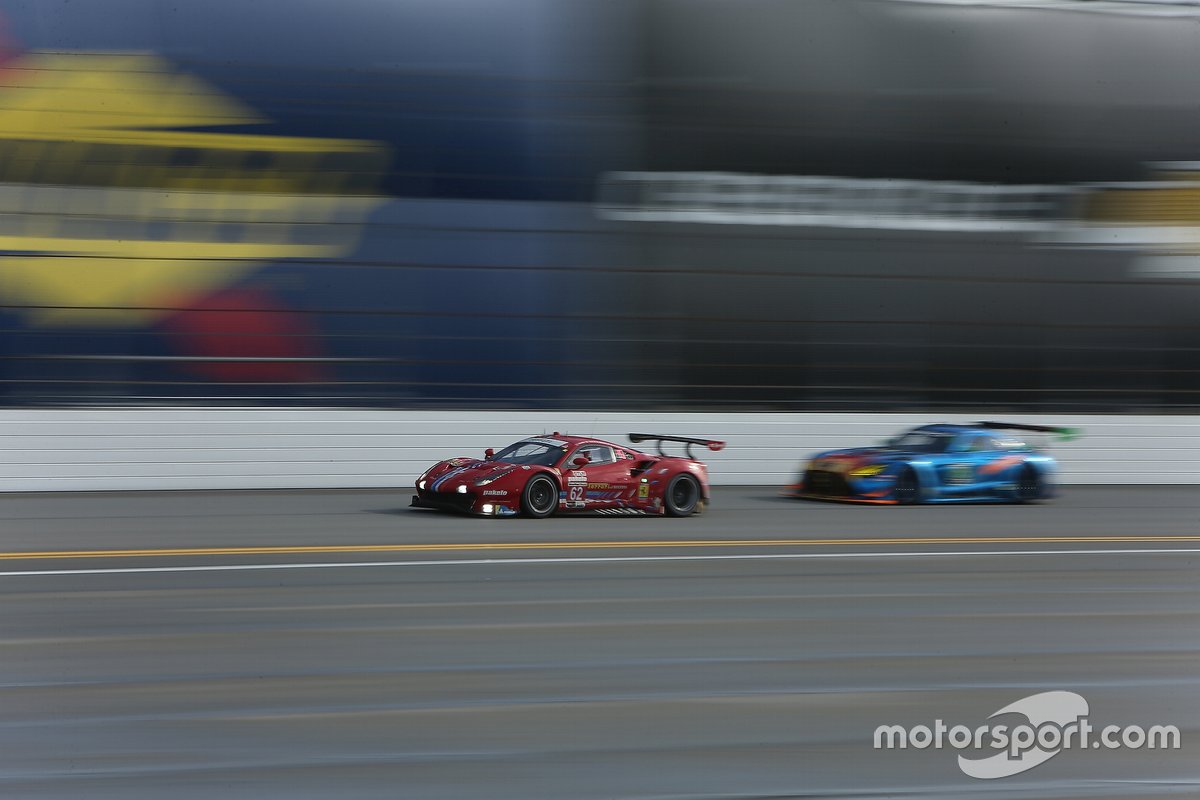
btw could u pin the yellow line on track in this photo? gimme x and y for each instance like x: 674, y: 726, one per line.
x: 613, y: 545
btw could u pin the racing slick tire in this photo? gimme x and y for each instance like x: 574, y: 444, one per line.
x: 539, y: 499
x: 1029, y: 485
x: 682, y: 497
x: 907, y: 489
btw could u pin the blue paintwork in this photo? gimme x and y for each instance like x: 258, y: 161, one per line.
x: 977, y: 465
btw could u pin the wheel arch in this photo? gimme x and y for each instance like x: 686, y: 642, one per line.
x: 701, y: 480
x: 537, y: 474
x: 927, y: 480
x: 1047, y: 474
x: 550, y: 473
x: 1045, y: 469
x: 701, y: 497
x: 554, y: 474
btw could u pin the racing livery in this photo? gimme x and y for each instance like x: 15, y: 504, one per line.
x: 980, y: 462
x: 544, y: 474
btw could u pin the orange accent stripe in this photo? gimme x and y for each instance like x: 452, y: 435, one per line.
x: 846, y: 499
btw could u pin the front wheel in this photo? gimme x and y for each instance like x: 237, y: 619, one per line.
x: 907, y: 490
x: 540, y: 497
x: 682, y: 496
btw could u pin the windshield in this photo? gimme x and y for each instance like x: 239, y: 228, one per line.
x: 923, y: 441
x: 541, y: 453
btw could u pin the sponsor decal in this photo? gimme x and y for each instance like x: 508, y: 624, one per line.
x: 1157, y: 218
x: 643, y: 490
x: 498, y: 492
x: 959, y: 474
x: 577, y: 477
x: 722, y: 198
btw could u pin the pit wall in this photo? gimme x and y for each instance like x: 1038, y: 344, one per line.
x: 257, y: 448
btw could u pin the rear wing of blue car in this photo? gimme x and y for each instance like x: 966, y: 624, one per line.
x: 1064, y: 434
x: 711, y: 444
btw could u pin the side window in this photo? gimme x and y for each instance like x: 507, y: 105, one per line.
x: 598, y: 453
x: 961, y: 443
x: 983, y: 443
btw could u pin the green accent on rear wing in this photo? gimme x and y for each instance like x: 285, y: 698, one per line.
x: 1069, y: 434
x: 1064, y: 434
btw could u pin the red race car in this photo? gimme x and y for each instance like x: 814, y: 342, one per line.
x: 544, y: 474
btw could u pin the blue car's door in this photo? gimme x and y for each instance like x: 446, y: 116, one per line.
x: 960, y: 470
x: 955, y: 472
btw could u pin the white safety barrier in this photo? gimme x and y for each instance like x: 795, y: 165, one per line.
x: 270, y: 448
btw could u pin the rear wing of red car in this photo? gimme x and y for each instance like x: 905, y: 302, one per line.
x: 1064, y: 434
x: 711, y: 444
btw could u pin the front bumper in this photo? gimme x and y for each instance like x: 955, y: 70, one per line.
x: 822, y: 485
x: 463, y: 502
x: 877, y: 501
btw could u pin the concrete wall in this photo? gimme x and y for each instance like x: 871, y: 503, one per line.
x: 251, y: 448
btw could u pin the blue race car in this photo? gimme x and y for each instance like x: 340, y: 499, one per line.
x: 980, y: 462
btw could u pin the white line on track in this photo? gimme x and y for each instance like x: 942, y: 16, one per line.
x: 467, y: 562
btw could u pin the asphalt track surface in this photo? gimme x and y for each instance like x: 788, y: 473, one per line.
x: 338, y: 645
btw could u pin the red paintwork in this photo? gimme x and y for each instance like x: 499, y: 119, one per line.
x: 243, y: 335
x: 592, y: 487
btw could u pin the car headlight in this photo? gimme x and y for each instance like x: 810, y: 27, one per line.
x: 869, y: 471
x: 495, y: 476
x: 421, y: 484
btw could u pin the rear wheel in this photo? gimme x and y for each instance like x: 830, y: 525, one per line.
x: 682, y: 497
x: 907, y: 489
x: 540, y: 497
x: 1029, y: 485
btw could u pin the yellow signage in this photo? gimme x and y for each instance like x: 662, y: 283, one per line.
x: 115, y: 214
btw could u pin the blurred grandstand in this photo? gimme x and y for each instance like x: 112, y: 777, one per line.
x: 736, y: 204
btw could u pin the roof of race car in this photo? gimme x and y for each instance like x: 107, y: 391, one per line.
x: 949, y: 427
x: 565, y: 439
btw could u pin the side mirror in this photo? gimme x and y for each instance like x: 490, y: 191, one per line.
x: 489, y: 454
x: 580, y: 461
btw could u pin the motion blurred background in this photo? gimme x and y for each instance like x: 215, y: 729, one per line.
x: 322, y: 244
x: 654, y: 204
